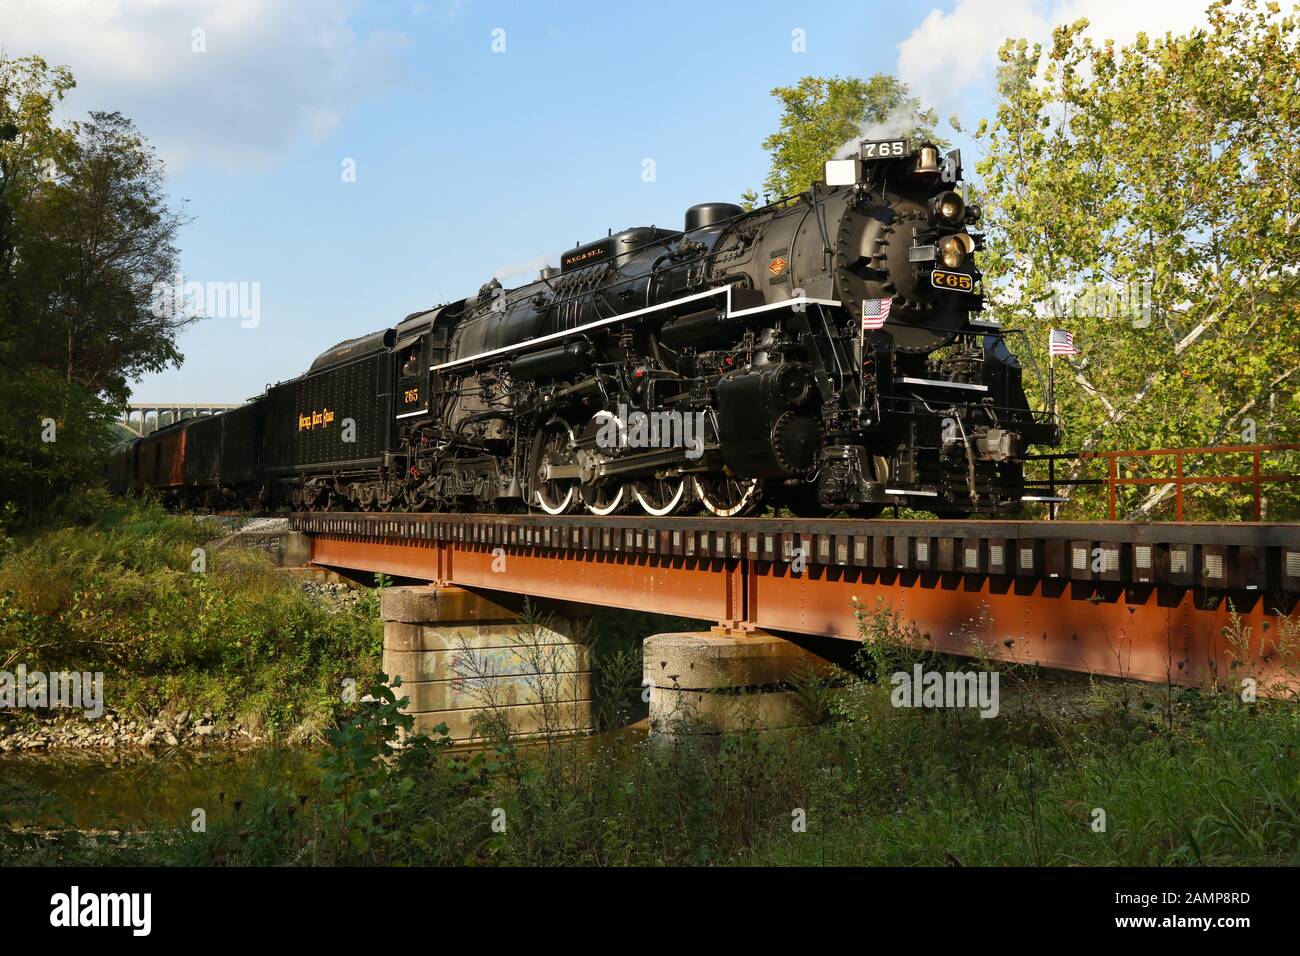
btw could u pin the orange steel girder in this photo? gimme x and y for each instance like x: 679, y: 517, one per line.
x: 1153, y: 633
x: 699, y: 588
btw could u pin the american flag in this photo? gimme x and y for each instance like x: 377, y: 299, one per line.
x: 1061, y: 342
x: 874, y: 313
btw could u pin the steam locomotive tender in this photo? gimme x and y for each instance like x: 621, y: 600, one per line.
x: 819, y: 353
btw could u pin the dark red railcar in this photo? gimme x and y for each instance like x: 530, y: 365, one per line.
x: 160, y: 458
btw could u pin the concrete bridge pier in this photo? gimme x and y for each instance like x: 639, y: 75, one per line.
x: 715, y: 682
x: 470, y: 661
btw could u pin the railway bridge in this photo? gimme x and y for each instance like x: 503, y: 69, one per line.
x: 141, y: 418
x: 1177, y: 603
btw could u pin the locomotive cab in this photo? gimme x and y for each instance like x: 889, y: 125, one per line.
x: 412, y: 394
x: 419, y: 345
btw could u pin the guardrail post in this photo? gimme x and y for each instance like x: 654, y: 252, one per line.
x: 1051, y: 488
x: 1259, y: 509
x: 1178, y: 486
x: 1110, y: 483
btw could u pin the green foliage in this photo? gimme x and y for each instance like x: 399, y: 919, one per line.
x: 86, y: 230
x: 41, y: 404
x: 30, y: 144
x: 1222, y: 786
x: 1164, y: 169
x: 240, y: 639
x: 619, y: 675
x: 816, y: 690
x: 1183, y: 777
x: 617, y: 661
x: 888, y: 645
x: 361, y: 789
x: 821, y: 114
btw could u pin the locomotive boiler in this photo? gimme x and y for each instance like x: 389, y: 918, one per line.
x: 821, y: 353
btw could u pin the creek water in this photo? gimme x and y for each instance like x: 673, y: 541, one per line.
x: 143, y: 789
x: 138, y: 789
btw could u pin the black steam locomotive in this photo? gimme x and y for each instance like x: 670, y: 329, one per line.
x: 820, y: 353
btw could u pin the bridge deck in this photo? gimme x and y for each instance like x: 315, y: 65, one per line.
x: 1147, y: 601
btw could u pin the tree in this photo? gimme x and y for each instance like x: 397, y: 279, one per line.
x: 1162, y: 174
x: 54, y: 435
x: 85, y: 233
x: 820, y: 115
x: 96, y: 241
x: 31, y: 146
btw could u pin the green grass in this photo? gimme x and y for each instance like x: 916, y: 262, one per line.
x: 112, y: 589
x: 1222, y: 787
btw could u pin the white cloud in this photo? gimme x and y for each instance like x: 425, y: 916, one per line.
x: 274, y: 71
x: 954, y: 50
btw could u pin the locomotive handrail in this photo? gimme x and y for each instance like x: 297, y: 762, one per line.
x: 637, y: 313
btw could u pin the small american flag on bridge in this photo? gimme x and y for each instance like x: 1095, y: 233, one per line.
x: 874, y: 313
x: 1061, y: 342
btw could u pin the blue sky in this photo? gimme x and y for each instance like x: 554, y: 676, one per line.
x: 469, y: 163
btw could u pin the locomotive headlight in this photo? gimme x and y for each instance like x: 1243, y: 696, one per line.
x: 949, y: 207
x: 953, y: 250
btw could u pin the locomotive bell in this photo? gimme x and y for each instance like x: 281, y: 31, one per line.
x: 927, y: 160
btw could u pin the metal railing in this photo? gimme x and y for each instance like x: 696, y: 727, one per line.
x: 1257, y: 478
